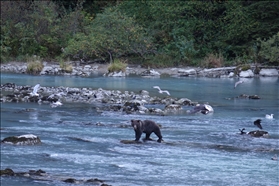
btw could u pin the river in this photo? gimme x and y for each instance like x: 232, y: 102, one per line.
x: 197, y: 149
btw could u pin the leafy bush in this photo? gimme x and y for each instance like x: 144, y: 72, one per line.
x: 110, y: 35
x: 117, y: 66
x: 270, y: 49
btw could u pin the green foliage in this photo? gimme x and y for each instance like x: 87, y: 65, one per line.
x: 191, y: 30
x: 117, y: 66
x: 270, y: 49
x: 36, y: 28
x: 166, y: 33
x: 34, y: 65
x: 111, y: 34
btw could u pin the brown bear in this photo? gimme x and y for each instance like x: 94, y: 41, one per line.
x: 147, y: 127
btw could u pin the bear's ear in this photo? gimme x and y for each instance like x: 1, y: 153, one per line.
x: 139, y: 121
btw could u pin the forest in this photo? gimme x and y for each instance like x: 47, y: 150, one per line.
x: 159, y: 33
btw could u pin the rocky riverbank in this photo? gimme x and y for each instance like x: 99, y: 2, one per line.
x: 111, y: 100
x: 115, y: 100
x: 95, y: 68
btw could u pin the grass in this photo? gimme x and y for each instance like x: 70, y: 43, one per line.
x: 34, y: 65
x: 214, y: 60
x: 65, y: 66
x: 117, y: 66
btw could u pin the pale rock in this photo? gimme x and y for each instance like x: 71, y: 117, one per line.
x: 269, y: 72
x: 246, y: 74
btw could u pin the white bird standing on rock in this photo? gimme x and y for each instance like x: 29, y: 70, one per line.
x: 55, y: 104
x: 275, y: 157
x: 35, y: 90
x: 161, y: 91
x: 269, y: 116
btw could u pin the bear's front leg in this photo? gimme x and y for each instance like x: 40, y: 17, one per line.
x: 137, y: 135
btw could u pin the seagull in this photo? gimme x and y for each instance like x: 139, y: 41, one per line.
x: 161, y: 91
x: 237, y: 83
x: 202, y: 108
x: 258, y: 123
x: 269, y: 116
x: 55, y: 104
x: 242, y: 131
x: 35, y: 90
x: 152, y: 71
x: 275, y: 157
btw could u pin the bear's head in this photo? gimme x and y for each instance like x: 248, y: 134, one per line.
x: 136, y: 124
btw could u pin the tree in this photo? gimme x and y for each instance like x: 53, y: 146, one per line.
x: 112, y: 34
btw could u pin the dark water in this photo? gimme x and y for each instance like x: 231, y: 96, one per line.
x: 197, y: 149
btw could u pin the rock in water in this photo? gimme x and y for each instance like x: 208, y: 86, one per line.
x: 27, y: 139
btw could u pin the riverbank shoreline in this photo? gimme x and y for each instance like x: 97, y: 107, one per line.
x: 51, y: 68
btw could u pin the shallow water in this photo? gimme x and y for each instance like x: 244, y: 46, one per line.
x: 197, y: 149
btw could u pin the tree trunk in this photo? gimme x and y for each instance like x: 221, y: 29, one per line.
x: 110, y: 56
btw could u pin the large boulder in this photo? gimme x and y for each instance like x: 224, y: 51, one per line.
x: 150, y: 72
x: 173, y: 107
x: 183, y: 101
x: 187, y: 72
x: 258, y: 133
x: 246, y: 74
x: 116, y: 74
x: 27, y: 139
x: 268, y: 72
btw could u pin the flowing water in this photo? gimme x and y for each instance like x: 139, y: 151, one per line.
x: 197, y: 149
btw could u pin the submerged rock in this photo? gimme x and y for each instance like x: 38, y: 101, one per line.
x: 130, y: 142
x: 248, y: 96
x: 7, y: 172
x: 27, y: 139
x: 258, y: 133
x: 255, y: 133
x: 42, y: 175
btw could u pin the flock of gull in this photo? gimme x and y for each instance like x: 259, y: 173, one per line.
x: 202, y: 108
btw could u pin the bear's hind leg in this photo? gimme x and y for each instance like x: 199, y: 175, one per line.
x: 147, y: 137
x: 158, y: 133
